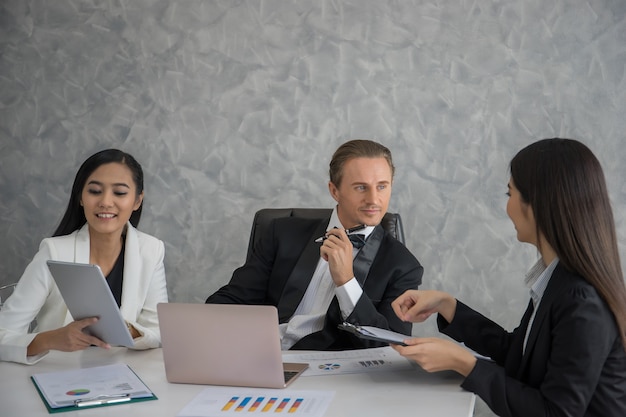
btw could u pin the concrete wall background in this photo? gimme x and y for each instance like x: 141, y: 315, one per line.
x: 232, y: 106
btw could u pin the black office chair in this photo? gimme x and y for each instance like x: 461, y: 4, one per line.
x: 5, y: 291
x: 391, y: 222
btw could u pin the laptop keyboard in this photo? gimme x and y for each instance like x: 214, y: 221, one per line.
x: 289, y: 375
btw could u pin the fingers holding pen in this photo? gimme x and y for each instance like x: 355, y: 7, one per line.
x: 338, y: 240
x: 336, y: 249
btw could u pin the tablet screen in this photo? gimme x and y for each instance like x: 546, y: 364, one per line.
x: 87, y: 294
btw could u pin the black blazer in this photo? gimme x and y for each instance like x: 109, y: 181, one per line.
x: 282, y: 265
x: 574, y: 363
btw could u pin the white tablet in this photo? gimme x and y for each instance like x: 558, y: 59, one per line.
x: 87, y: 294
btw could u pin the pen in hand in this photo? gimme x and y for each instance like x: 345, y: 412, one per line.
x: 348, y: 231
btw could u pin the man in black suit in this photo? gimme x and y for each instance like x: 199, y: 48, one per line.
x: 318, y: 285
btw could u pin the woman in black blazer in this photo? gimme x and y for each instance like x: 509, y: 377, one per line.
x: 568, y: 355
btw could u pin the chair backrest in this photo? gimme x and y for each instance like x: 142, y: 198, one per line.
x: 5, y: 291
x: 391, y: 222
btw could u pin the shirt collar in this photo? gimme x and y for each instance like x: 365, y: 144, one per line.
x: 538, y: 277
x: 334, y: 222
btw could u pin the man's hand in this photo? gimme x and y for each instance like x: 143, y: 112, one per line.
x: 337, y: 251
x: 66, y: 339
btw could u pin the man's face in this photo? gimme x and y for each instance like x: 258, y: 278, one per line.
x: 364, y: 193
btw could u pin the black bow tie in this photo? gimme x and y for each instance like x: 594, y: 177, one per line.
x: 358, y: 241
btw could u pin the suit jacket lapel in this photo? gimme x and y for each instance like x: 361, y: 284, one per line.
x: 301, y: 274
x: 364, y: 259
x: 552, y: 290
x: 132, y: 268
x: 81, y: 245
x: 80, y: 255
x: 514, y: 358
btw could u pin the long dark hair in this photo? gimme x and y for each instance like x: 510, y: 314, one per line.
x: 564, y: 184
x: 74, y: 217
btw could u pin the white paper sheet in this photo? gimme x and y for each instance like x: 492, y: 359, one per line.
x: 349, y: 361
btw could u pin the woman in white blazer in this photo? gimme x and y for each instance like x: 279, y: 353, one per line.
x: 99, y: 227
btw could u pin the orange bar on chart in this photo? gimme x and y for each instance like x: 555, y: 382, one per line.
x: 282, y: 405
x: 230, y: 403
x: 295, y: 405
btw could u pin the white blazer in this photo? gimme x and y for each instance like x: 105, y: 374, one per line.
x: 36, y: 295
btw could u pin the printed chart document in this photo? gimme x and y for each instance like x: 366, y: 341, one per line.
x: 227, y: 401
x: 90, y: 387
x: 350, y: 361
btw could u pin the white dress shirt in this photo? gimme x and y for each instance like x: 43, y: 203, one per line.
x: 310, y: 313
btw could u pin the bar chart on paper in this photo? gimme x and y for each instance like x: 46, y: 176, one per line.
x: 232, y: 401
x: 263, y: 404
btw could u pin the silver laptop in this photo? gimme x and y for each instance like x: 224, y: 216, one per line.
x: 224, y: 344
x: 87, y: 294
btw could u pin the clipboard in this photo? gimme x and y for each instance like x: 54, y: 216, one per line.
x: 374, y: 333
x: 84, y: 388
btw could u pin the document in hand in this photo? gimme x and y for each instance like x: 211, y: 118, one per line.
x: 90, y: 387
x: 375, y: 333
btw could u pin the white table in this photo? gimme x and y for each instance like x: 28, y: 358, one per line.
x: 412, y: 392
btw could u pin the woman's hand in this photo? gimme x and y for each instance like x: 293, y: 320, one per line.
x: 134, y: 333
x: 417, y: 305
x: 66, y: 339
x: 434, y: 354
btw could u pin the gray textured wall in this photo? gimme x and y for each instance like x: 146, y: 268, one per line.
x: 232, y: 106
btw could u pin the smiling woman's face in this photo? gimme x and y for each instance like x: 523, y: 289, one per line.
x: 109, y: 197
